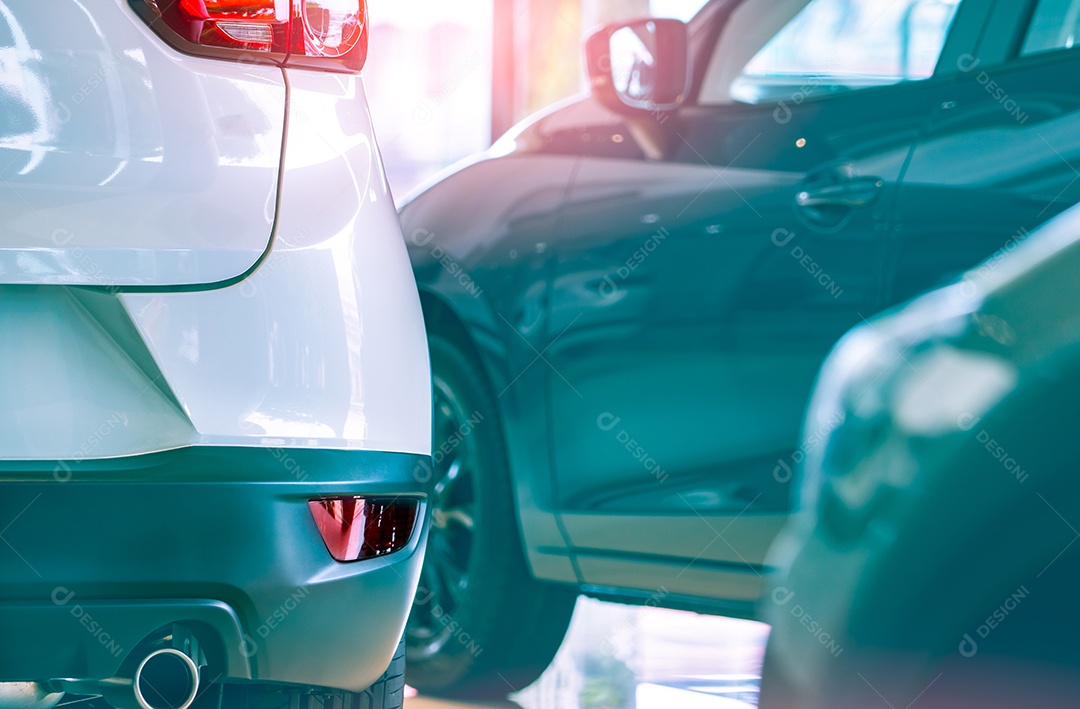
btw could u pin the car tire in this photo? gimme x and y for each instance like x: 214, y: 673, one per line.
x: 387, y: 693
x: 482, y: 627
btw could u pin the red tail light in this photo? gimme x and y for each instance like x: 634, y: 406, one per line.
x: 328, y: 34
x: 358, y: 528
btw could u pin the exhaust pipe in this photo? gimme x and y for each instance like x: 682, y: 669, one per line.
x: 164, y: 679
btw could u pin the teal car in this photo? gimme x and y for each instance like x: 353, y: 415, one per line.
x: 934, y: 561
x: 629, y: 297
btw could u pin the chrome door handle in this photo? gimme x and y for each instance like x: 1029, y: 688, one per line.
x: 852, y: 194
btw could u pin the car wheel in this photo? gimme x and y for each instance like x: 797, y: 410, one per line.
x: 481, y: 626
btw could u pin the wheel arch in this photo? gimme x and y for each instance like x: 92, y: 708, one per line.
x: 441, y: 318
x: 539, y: 532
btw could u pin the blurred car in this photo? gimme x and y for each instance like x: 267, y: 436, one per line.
x: 934, y: 560
x: 628, y: 297
x: 215, y: 388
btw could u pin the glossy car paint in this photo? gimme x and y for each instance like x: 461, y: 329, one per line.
x: 125, y: 163
x: 160, y: 445
x: 653, y: 317
x: 321, y: 347
x: 949, y: 488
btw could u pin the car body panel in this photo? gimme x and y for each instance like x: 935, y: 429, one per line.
x: 966, y: 491
x: 649, y: 554
x: 216, y: 536
x: 322, y: 347
x: 73, y: 387
x: 696, y: 302
x: 125, y: 163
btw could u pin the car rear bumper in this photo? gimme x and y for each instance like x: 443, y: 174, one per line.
x: 96, y: 556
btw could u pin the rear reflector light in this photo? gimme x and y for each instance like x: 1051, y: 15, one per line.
x: 248, y: 33
x: 328, y: 34
x: 358, y: 528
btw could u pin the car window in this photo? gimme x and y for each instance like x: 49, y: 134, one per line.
x: 1054, y: 26
x: 834, y: 45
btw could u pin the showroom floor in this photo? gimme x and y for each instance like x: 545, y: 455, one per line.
x: 622, y: 657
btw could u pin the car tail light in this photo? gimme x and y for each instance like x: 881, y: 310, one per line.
x: 328, y: 34
x: 359, y: 528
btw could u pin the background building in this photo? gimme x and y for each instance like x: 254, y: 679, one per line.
x: 445, y: 78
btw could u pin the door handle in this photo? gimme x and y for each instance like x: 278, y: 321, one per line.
x: 852, y: 194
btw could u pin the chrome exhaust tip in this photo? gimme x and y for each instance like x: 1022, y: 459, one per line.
x: 166, y: 679
x: 163, y: 679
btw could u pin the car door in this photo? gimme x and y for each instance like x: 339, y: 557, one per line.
x: 1003, y: 154
x: 702, y: 279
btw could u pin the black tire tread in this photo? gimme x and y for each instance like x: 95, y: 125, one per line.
x: 387, y: 693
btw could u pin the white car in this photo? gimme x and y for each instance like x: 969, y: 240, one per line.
x: 215, y: 403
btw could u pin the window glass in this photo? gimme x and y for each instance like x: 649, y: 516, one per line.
x: 848, y: 44
x: 1055, y: 26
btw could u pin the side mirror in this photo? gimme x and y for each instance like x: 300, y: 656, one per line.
x: 640, y: 66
